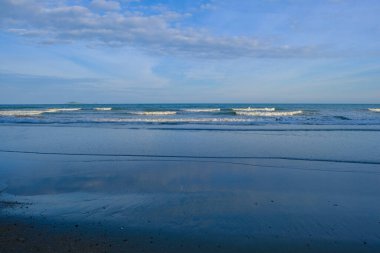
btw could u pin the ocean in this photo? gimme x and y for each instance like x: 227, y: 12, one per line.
x: 191, y: 177
x: 194, y: 114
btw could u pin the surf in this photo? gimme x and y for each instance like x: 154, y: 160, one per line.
x: 52, y: 110
x: 155, y: 113
x: 103, y: 108
x: 174, y: 120
x: 268, y: 114
x: 250, y: 109
x: 22, y: 113
x: 202, y: 110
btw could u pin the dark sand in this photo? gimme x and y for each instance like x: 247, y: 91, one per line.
x: 41, y: 235
x: 65, y: 203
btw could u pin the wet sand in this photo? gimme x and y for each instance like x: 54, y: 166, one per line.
x: 68, y: 203
x: 41, y: 235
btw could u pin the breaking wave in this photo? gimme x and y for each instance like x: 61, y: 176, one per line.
x: 268, y: 114
x: 155, y: 113
x: 250, y: 109
x: 62, y: 110
x: 31, y: 113
x: 22, y: 113
x: 374, y: 109
x: 203, y: 110
x: 174, y: 120
x: 103, y: 108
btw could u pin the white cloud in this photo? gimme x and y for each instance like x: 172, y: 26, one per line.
x: 158, y: 33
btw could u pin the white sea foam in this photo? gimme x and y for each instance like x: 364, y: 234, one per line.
x: 251, y: 109
x: 103, y: 108
x: 269, y: 114
x: 155, y: 113
x: 202, y: 110
x: 22, y: 113
x: 30, y: 113
x: 52, y: 110
x: 173, y: 120
x: 374, y: 109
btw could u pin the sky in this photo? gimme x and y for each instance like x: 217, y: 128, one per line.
x: 189, y: 51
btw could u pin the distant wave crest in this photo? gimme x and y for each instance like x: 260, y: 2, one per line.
x: 103, y: 108
x: 268, y: 114
x: 374, y: 109
x: 202, y: 110
x: 62, y: 110
x: 250, y: 109
x: 155, y: 113
x: 31, y: 113
x: 173, y: 120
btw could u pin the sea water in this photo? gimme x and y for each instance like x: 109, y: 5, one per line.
x: 251, y: 177
x: 193, y: 114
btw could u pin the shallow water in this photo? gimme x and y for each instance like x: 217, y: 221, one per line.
x: 269, y: 185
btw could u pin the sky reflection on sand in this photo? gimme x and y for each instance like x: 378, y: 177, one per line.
x: 333, y: 201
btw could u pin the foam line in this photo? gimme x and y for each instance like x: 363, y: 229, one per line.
x: 103, y: 108
x: 268, y: 114
x: 202, y: 110
x: 155, y: 113
x: 250, y: 109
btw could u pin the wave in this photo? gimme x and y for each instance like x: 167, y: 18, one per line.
x: 52, y: 110
x: 173, y: 120
x: 202, y: 110
x: 250, y: 109
x: 22, y: 113
x: 342, y: 117
x: 155, y: 113
x: 30, y: 113
x: 103, y: 108
x: 268, y: 114
x: 374, y: 109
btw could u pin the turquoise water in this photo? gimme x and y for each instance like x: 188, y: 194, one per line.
x: 193, y: 114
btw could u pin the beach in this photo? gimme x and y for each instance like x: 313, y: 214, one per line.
x: 207, y: 126
x: 187, y: 188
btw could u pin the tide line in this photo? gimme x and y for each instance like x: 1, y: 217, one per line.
x: 194, y: 156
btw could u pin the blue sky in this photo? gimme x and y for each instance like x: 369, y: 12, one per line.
x: 153, y: 51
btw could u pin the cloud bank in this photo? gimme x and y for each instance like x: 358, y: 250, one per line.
x: 116, y: 24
